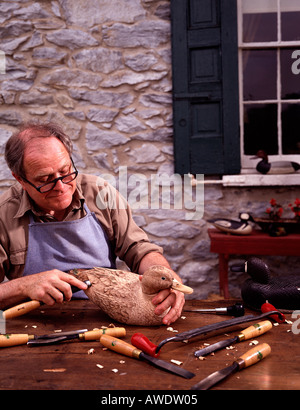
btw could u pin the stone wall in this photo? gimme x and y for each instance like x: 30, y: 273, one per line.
x: 102, y: 69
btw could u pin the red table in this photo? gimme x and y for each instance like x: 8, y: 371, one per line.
x: 257, y: 243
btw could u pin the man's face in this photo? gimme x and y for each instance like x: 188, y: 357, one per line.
x: 44, y: 160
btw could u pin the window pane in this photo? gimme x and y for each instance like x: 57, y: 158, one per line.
x: 259, y: 71
x: 290, y: 128
x: 260, y: 129
x: 259, y: 20
x: 290, y: 17
x: 290, y: 73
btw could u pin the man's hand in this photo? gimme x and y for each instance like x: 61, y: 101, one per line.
x: 50, y: 286
x: 169, y: 298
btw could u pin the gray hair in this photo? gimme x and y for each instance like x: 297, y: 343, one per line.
x: 15, y: 146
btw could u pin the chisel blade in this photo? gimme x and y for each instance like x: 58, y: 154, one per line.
x: 215, y: 377
x: 216, y: 346
x: 161, y: 364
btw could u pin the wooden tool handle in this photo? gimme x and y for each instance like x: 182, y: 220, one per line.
x: 256, y: 330
x: 21, y: 309
x: 13, y: 340
x: 112, y: 331
x: 119, y: 346
x: 254, y: 355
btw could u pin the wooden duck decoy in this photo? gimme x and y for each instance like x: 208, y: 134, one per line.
x: 276, y: 167
x: 126, y: 296
x: 241, y: 227
x: 282, y: 292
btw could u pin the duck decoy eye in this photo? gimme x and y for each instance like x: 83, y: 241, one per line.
x: 163, y: 278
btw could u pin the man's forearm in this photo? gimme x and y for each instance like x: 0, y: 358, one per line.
x: 10, y: 293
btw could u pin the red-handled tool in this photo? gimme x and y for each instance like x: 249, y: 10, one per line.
x: 267, y: 307
x: 143, y: 343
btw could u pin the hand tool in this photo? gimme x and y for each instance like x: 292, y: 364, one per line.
x: 128, y: 350
x: 234, y: 310
x: 253, y: 356
x: 53, y: 338
x: 180, y: 337
x: 85, y: 336
x: 246, y: 334
x: 21, y: 339
x: 143, y: 343
x: 267, y: 307
x: 26, y: 307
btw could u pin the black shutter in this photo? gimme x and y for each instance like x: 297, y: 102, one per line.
x: 205, y: 86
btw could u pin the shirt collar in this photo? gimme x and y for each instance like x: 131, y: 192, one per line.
x: 27, y: 204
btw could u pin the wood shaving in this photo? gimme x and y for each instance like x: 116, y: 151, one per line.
x: 230, y: 347
x: 122, y: 361
x: 170, y: 329
x: 91, y: 351
x: 276, y: 324
x: 57, y: 331
x: 253, y: 343
x: 34, y: 326
x: 176, y: 362
x: 202, y: 358
x: 289, y: 322
x: 61, y: 370
x: 183, y: 317
x: 115, y: 370
x: 100, y: 366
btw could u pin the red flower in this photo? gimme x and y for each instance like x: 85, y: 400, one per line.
x: 273, y: 202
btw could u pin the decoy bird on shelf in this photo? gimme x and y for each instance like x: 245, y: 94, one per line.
x: 276, y: 167
x: 126, y: 296
x: 241, y: 227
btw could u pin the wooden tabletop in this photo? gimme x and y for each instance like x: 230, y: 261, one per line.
x: 68, y: 366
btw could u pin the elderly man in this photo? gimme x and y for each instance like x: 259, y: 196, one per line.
x: 51, y: 222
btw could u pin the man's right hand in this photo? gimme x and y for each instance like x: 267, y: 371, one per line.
x: 49, y: 287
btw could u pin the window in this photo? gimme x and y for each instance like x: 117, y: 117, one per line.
x: 269, y: 75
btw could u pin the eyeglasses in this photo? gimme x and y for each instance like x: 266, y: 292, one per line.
x: 48, y: 186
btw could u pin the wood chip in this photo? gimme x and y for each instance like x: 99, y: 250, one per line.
x: 176, y: 362
x: 91, y: 351
x: 100, y: 366
x: 253, y: 343
x: 115, y: 370
x: 60, y: 370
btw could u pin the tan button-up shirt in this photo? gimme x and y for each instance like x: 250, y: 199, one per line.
x: 129, y: 242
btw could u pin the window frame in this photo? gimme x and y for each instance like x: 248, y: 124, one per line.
x: 248, y: 164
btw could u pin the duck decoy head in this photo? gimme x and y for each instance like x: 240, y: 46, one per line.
x: 158, y: 277
x: 261, y: 154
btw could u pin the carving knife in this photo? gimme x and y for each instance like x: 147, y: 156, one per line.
x: 253, y: 356
x: 251, y: 331
x: 128, y: 350
x: 23, y: 308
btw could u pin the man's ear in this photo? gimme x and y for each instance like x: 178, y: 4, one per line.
x: 19, y: 179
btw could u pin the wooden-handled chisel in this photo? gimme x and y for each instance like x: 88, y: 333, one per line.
x: 83, y: 335
x: 128, y: 350
x: 246, y: 334
x: 253, y: 356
